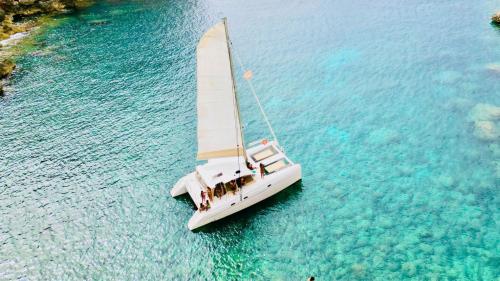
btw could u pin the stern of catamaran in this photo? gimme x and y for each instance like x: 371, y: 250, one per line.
x: 272, y: 171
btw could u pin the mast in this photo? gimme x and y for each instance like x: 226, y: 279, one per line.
x: 228, y: 42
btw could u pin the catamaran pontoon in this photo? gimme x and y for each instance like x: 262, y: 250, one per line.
x: 234, y: 177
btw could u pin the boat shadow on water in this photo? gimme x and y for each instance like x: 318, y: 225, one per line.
x: 495, y: 26
x: 240, y: 220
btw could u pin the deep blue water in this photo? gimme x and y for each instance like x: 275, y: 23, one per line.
x: 376, y: 99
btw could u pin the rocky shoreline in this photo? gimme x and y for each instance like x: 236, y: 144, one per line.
x: 18, y: 17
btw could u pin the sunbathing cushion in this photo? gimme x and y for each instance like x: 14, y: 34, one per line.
x: 261, y: 155
x: 278, y: 165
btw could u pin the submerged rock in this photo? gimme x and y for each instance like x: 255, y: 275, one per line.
x: 448, y: 77
x: 426, y: 248
x: 6, y: 68
x: 496, y: 18
x: 496, y: 168
x: 459, y: 104
x: 358, y: 269
x: 405, y: 170
x: 446, y: 181
x: 99, y: 22
x: 383, y: 136
x: 409, y: 269
x: 495, y: 150
x: 484, y: 112
x: 486, y: 130
x: 485, y: 118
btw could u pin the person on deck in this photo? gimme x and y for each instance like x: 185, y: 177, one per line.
x: 202, y: 196
x: 233, y: 187
x: 221, y: 192
x: 249, y: 165
x: 210, y: 193
x: 217, y: 191
x: 202, y: 207
x: 262, y: 170
x: 208, y: 205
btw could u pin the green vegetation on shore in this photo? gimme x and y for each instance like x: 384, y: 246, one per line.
x: 22, y: 15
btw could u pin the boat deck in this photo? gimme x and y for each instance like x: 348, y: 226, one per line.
x: 268, y: 154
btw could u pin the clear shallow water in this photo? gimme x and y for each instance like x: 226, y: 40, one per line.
x: 372, y: 99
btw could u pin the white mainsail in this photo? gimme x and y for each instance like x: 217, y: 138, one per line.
x: 219, y: 128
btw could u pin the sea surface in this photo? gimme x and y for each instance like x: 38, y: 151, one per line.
x: 375, y: 99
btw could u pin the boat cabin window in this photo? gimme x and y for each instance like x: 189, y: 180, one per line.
x: 263, y: 154
x: 276, y: 166
x: 247, y: 180
x: 229, y: 187
x: 232, y: 185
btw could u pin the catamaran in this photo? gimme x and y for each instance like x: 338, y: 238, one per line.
x: 234, y: 176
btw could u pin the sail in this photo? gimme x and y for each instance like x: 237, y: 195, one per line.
x: 219, y: 128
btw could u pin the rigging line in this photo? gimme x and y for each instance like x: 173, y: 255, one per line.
x: 252, y: 89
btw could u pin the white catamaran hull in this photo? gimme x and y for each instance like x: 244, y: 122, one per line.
x: 264, y: 188
x: 181, y: 186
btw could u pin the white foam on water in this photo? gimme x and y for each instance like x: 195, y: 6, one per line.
x: 14, y: 38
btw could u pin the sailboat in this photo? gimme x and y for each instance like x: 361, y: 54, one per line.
x: 234, y: 176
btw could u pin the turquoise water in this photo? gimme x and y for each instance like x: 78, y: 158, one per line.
x: 374, y: 99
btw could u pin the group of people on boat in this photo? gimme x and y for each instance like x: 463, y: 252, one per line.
x: 218, y: 191
x: 204, y: 207
x: 222, y: 189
